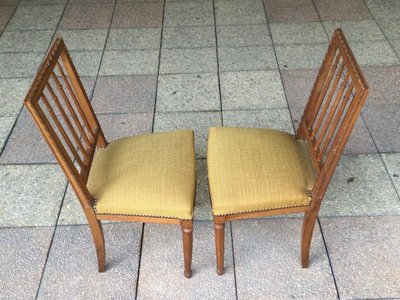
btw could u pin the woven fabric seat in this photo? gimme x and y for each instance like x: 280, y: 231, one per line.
x: 150, y: 175
x: 257, y: 169
x: 262, y: 172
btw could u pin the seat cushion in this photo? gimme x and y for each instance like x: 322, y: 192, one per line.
x: 148, y: 175
x: 253, y: 169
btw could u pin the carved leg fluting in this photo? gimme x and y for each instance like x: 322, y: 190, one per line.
x: 187, y: 235
x: 219, y: 229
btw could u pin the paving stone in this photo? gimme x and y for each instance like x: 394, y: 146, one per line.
x: 392, y: 163
x: 5, y: 15
x: 201, y: 60
x: 200, y: 122
x: 134, y: 38
x: 19, y: 64
x: 189, y: 92
x: 138, y: 15
x: 6, y: 3
x: 376, y: 53
x: 23, y: 256
x: 31, y: 17
x: 391, y: 28
x: 243, y: 35
x: 133, y: 62
x: 189, y: 37
x: 384, y: 85
x: 352, y: 242
x: 246, y: 58
x: 239, y: 12
x: 12, y: 94
x: 76, y: 16
x: 292, y: 57
x: 6, y: 125
x: 341, y: 10
x: 26, y: 145
x: 298, y: 33
x: 384, y: 124
x: 357, y: 31
x: 31, y: 194
x: 84, y: 39
x: 125, y: 94
x: 298, y: 85
x: 86, y: 62
x: 92, y: 1
x: 290, y: 11
x: 168, y: 263
x: 387, y: 9
x: 25, y: 41
x: 252, y: 90
x: 42, y: 2
x: 396, y: 46
x: 188, y: 13
x: 266, y: 251
x: 274, y: 118
x: 202, y: 209
x: 71, y: 210
x: 117, y: 126
x: 73, y: 252
x: 360, y: 187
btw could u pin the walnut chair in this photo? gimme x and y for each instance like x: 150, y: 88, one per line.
x: 259, y: 172
x: 146, y: 178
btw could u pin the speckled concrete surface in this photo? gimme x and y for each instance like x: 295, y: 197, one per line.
x: 264, y: 270
x: 168, y: 264
x: 170, y: 64
x: 365, y: 254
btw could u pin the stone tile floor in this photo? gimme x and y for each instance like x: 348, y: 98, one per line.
x: 166, y: 64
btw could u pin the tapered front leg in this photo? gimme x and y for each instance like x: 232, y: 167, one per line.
x: 187, y: 236
x: 219, y: 229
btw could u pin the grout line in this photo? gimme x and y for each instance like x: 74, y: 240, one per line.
x: 139, y: 262
x: 329, y: 259
x: 51, y: 242
x: 159, y: 66
x: 383, y: 32
x: 279, y: 69
x: 102, y: 53
x: 218, y: 73
x: 380, y: 155
x: 233, y: 261
x: 65, y: 191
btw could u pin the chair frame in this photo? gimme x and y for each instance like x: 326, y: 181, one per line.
x: 324, y: 161
x: 87, y: 142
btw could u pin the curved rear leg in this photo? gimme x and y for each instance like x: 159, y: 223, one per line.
x: 98, y: 238
x: 306, y: 236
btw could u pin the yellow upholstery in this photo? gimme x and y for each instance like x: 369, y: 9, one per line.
x: 147, y: 175
x: 257, y: 169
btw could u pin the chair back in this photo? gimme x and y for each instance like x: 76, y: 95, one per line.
x: 61, y: 110
x: 332, y: 110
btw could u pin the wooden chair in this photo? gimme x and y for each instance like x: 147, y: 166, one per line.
x: 146, y: 178
x: 260, y: 172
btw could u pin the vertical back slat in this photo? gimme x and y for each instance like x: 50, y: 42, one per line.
x: 62, y: 112
x: 70, y: 108
x: 62, y: 131
x: 331, y: 113
x: 74, y: 97
x: 66, y: 119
